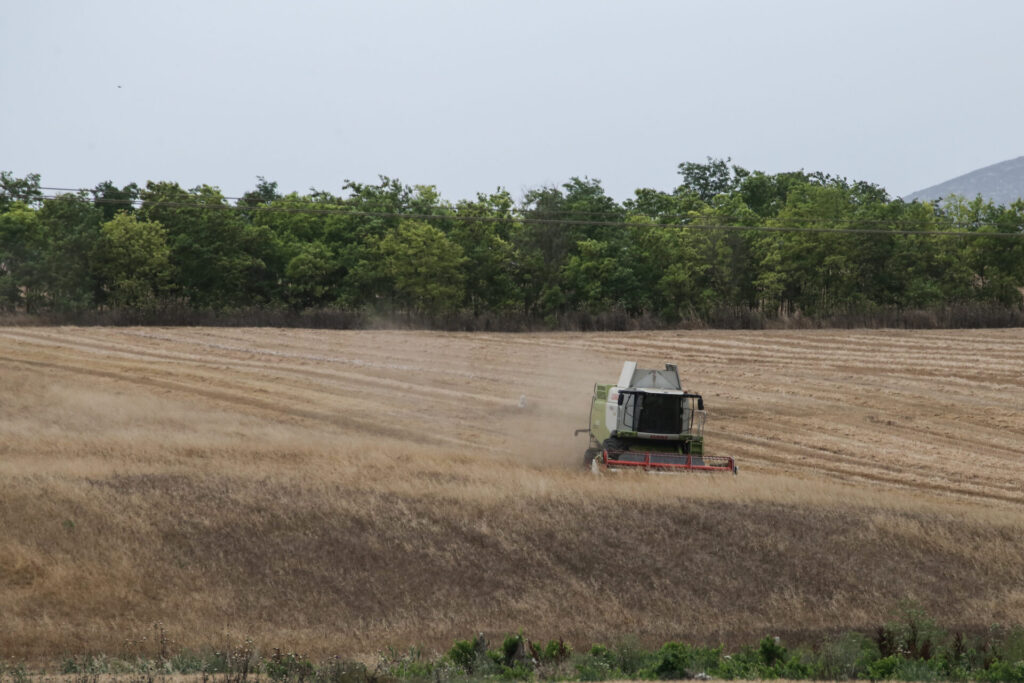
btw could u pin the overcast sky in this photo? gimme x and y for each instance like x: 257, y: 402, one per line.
x: 471, y: 95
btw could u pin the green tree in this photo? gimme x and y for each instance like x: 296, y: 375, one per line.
x: 309, y: 277
x: 664, y: 253
x: 277, y: 229
x: 216, y: 253
x: 424, y: 266
x: 13, y: 189
x: 819, y: 268
x: 354, y: 233
x: 482, y: 232
x: 599, y: 277
x: 928, y: 270
x: 70, y: 231
x: 675, y: 270
x: 555, y: 222
x: 766, y: 194
x: 110, y: 199
x: 995, y: 258
x: 265, y: 194
x: 22, y: 253
x: 727, y: 278
x: 133, y: 258
x: 711, y: 179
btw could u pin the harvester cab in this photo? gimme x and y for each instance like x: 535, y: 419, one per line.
x: 647, y: 421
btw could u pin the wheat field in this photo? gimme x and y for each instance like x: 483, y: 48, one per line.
x: 340, y: 491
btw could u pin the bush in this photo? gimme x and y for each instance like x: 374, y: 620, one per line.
x: 1011, y: 645
x: 464, y: 655
x: 1003, y: 671
x: 555, y: 651
x: 336, y: 670
x: 918, y: 670
x: 883, y: 668
x: 412, y: 665
x: 675, y: 661
x: 911, y: 648
x: 630, y: 658
x: 512, y: 649
x: 519, y: 671
x: 745, y: 664
x: 913, y: 632
x: 771, y: 652
x: 187, y: 662
x: 848, y: 657
x: 597, y: 665
x: 288, y: 666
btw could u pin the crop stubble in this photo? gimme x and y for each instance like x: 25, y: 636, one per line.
x: 339, y: 490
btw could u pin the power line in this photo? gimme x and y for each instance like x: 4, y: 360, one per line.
x: 573, y: 213
x: 587, y: 215
x: 341, y: 210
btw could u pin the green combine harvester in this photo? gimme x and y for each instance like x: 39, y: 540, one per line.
x: 647, y: 422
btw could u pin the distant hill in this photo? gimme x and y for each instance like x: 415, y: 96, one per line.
x: 1002, y: 183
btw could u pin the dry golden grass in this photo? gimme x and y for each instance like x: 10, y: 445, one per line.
x: 338, y: 491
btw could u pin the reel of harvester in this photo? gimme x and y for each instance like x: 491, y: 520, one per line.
x: 648, y: 422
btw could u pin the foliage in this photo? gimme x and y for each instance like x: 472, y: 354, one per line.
x: 993, y: 657
x: 726, y: 244
x: 18, y: 190
x: 679, y: 660
x: 424, y: 267
x: 133, y: 259
x: 464, y: 655
x: 288, y: 666
x: 847, y: 657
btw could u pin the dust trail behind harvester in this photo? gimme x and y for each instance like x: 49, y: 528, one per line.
x: 555, y: 386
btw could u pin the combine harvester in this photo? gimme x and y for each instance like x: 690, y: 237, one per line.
x: 647, y: 422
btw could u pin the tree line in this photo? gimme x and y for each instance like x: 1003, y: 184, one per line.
x: 725, y: 238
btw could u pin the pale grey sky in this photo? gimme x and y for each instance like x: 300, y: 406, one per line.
x: 472, y: 95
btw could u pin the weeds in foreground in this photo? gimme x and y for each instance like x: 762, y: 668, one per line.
x: 911, y: 647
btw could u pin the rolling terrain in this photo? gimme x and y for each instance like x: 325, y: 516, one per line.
x: 339, y: 491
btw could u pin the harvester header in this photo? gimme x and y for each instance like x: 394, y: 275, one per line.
x: 647, y: 421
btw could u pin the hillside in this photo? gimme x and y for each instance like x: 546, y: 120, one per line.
x: 338, y: 491
x: 1001, y: 183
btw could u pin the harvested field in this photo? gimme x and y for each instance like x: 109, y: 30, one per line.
x: 336, y: 491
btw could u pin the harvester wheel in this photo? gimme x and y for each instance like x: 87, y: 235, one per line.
x: 613, y: 444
